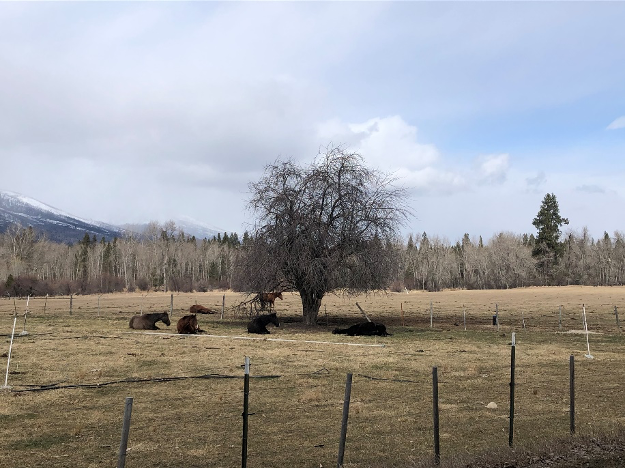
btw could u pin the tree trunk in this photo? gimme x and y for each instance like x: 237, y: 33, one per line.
x: 311, y: 302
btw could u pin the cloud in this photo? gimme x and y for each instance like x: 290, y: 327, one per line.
x: 590, y: 189
x: 391, y: 144
x: 618, y: 123
x: 535, y: 184
x: 493, y: 168
x: 382, y: 141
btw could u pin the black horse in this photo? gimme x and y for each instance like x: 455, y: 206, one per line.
x: 363, y: 329
x: 259, y: 324
x: 148, y: 321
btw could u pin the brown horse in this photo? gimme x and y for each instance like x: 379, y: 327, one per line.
x: 148, y: 321
x: 268, y: 298
x: 200, y: 309
x: 188, y: 325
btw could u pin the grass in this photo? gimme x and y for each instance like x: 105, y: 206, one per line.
x: 296, y: 416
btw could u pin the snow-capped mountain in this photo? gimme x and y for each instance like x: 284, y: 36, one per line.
x: 44, y: 219
x: 59, y: 226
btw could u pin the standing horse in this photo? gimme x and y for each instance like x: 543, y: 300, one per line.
x: 268, y: 298
x: 188, y: 325
x: 259, y: 324
x: 148, y: 321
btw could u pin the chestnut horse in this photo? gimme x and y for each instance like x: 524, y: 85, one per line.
x: 148, y: 321
x: 268, y: 298
x: 200, y: 309
x: 188, y: 325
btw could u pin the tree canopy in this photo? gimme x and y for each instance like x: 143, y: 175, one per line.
x: 548, y: 249
x: 333, y: 224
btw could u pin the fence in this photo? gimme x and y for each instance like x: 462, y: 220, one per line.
x: 345, y: 415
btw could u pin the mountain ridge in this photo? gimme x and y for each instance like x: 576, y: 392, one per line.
x: 59, y: 226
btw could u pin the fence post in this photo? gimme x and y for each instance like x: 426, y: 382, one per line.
x: 512, y: 367
x: 560, y: 319
x: 497, y: 316
x: 431, y: 314
x: 171, y: 306
x: 464, y: 317
x: 223, y: 306
x: 99, y: 304
x: 71, y: 300
x: 45, y: 304
x: 246, y: 395
x: 6, y: 378
x: 437, y: 446
x: 123, y: 446
x: 348, y: 392
x: 572, y: 393
x: 617, y: 323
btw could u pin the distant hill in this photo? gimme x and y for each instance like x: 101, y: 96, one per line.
x: 186, y: 225
x: 55, y: 224
x: 65, y: 228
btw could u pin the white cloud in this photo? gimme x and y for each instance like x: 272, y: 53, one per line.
x: 535, y: 184
x: 391, y: 144
x: 618, y: 123
x: 493, y: 168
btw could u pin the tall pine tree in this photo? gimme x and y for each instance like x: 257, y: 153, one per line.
x: 547, y: 248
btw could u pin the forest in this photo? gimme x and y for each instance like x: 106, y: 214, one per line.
x: 166, y: 259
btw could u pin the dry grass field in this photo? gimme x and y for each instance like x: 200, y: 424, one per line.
x: 70, y: 375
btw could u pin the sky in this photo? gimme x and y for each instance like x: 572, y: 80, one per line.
x: 129, y: 112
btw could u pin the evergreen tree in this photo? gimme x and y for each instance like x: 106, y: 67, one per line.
x: 548, y: 249
x: 548, y: 222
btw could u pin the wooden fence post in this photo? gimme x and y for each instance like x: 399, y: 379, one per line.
x: 572, y: 393
x: 71, y: 300
x: 437, y: 446
x: 246, y: 395
x: 348, y: 392
x: 123, y: 446
x: 171, y: 306
x: 617, y: 323
x: 497, y: 316
x: 431, y: 315
x: 512, y: 367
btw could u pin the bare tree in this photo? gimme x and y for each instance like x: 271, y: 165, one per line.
x: 327, y: 226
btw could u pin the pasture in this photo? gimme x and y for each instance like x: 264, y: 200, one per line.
x: 188, y: 389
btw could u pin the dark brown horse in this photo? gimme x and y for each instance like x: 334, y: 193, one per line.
x: 363, y: 329
x: 200, y: 309
x: 259, y: 324
x: 188, y: 325
x: 148, y: 321
x: 268, y: 298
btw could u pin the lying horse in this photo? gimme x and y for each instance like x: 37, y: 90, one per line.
x: 363, y: 329
x: 268, y: 298
x: 148, y: 321
x: 259, y: 324
x: 200, y: 309
x: 188, y: 325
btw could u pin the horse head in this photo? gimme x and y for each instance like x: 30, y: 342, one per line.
x: 273, y: 318
x: 166, y: 319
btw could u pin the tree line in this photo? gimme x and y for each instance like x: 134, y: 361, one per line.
x: 165, y: 258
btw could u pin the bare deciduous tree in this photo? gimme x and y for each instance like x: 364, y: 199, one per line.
x: 330, y: 225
